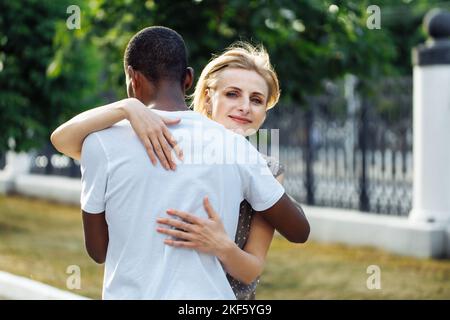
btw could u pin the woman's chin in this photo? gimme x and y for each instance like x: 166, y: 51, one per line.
x: 244, y: 131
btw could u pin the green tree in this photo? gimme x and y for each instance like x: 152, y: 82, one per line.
x: 46, y: 71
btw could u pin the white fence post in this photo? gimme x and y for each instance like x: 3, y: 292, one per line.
x: 16, y: 164
x: 431, y: 122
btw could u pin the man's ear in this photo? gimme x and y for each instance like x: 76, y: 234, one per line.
x: 189, y: 79
x: 134, y: 78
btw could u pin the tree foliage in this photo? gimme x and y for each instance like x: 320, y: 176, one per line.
x: 309, y: 40
x: 48, y: 73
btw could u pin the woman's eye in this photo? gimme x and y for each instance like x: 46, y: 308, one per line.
x: 257, y: 101
x: 231, y: 94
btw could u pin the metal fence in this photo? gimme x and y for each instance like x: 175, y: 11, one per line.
x: 49, y: 161
x: 2, y: 160
x: 360, y: 158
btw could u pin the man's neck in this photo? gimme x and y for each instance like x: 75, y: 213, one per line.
x: 168, y: 97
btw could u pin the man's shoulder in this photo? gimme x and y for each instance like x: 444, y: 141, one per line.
x: 118, y: 128
x: 119, y: 133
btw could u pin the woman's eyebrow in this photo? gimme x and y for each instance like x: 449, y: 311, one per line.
x: 259, y: 94
x: 238, y: 89
x: 235, y: 88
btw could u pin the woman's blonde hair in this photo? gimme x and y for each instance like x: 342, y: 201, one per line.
x: 241, y: 55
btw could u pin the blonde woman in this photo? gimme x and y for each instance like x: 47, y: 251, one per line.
x: 235, y: 89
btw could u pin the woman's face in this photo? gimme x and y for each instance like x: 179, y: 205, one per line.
x: 239, y: 100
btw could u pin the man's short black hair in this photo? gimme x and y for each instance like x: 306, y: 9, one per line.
x: 159, y: 53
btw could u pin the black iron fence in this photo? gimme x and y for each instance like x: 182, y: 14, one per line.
x: 358, y: 158
x: 2, y: 160
x: 49, y: 161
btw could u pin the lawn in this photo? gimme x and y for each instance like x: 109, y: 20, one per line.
x: 40, y: 240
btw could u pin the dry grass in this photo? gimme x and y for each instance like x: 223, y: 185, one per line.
x: 319, y: 271
x: 39, y: 240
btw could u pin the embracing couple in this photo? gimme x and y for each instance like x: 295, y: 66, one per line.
x: 167, y: 226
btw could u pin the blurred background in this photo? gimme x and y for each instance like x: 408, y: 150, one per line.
x: 345, y: 123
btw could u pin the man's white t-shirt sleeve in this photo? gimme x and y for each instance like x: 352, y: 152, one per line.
x: 261, y: 189
x: 94, y: 174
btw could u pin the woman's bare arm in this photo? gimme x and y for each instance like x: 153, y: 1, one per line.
x: 247, y: 264
x: 209, y: 236
x: 151, y: 129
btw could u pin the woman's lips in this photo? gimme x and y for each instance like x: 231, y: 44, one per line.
x: 240, y: 120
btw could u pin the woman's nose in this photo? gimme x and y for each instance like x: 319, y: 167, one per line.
x: 245, y: 106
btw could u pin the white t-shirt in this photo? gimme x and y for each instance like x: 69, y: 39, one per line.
x: 118, y: 178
